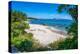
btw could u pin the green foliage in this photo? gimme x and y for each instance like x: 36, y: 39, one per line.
x: 74, y: 13
x: 23, y: 42
x: 55, y: 45
x: 18, y: 23
x: 68, y: 43
x: 62, y: 7
x: 18, y: 16
x: 70, y: 9
x: 25, y: 45
x: 73, y: 30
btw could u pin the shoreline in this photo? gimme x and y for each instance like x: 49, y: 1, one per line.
x: 44, y: 34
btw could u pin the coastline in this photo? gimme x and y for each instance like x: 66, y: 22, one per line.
x: 44, y: 34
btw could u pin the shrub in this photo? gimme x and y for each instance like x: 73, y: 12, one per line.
x: 22, y: 43
x: 68, y: 43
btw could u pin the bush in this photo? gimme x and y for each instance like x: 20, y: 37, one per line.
x: 68, y: 43
x: 18, y: 23
x: 22, y: 43
x: 25, y: 45
x: 55, y: 45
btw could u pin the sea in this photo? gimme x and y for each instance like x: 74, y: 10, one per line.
x: 61, y: 24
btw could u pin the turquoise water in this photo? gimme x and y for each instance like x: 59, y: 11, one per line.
x: 57, y: 23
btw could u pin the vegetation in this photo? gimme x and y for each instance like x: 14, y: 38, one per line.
x: 62, y: 44
x: 68, y: 43
x: 24, y: 41
x: 18, y: 23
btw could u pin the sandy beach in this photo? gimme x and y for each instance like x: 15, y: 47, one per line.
x: 45, y: 34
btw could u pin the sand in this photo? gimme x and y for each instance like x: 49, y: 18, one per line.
x: 45, y: 35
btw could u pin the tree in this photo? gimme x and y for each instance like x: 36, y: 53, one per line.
x: 18, y: 22
x: 73, y: 11
x: 73, y: 29
x: 69, y: 43
x: 70, y: 9
x: 20, y: 39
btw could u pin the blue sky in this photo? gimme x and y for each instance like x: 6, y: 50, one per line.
x: 40, y: 10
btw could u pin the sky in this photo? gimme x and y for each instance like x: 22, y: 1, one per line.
x: 40, y: 10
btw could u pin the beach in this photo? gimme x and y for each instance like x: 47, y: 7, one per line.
x: 45, y: 34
